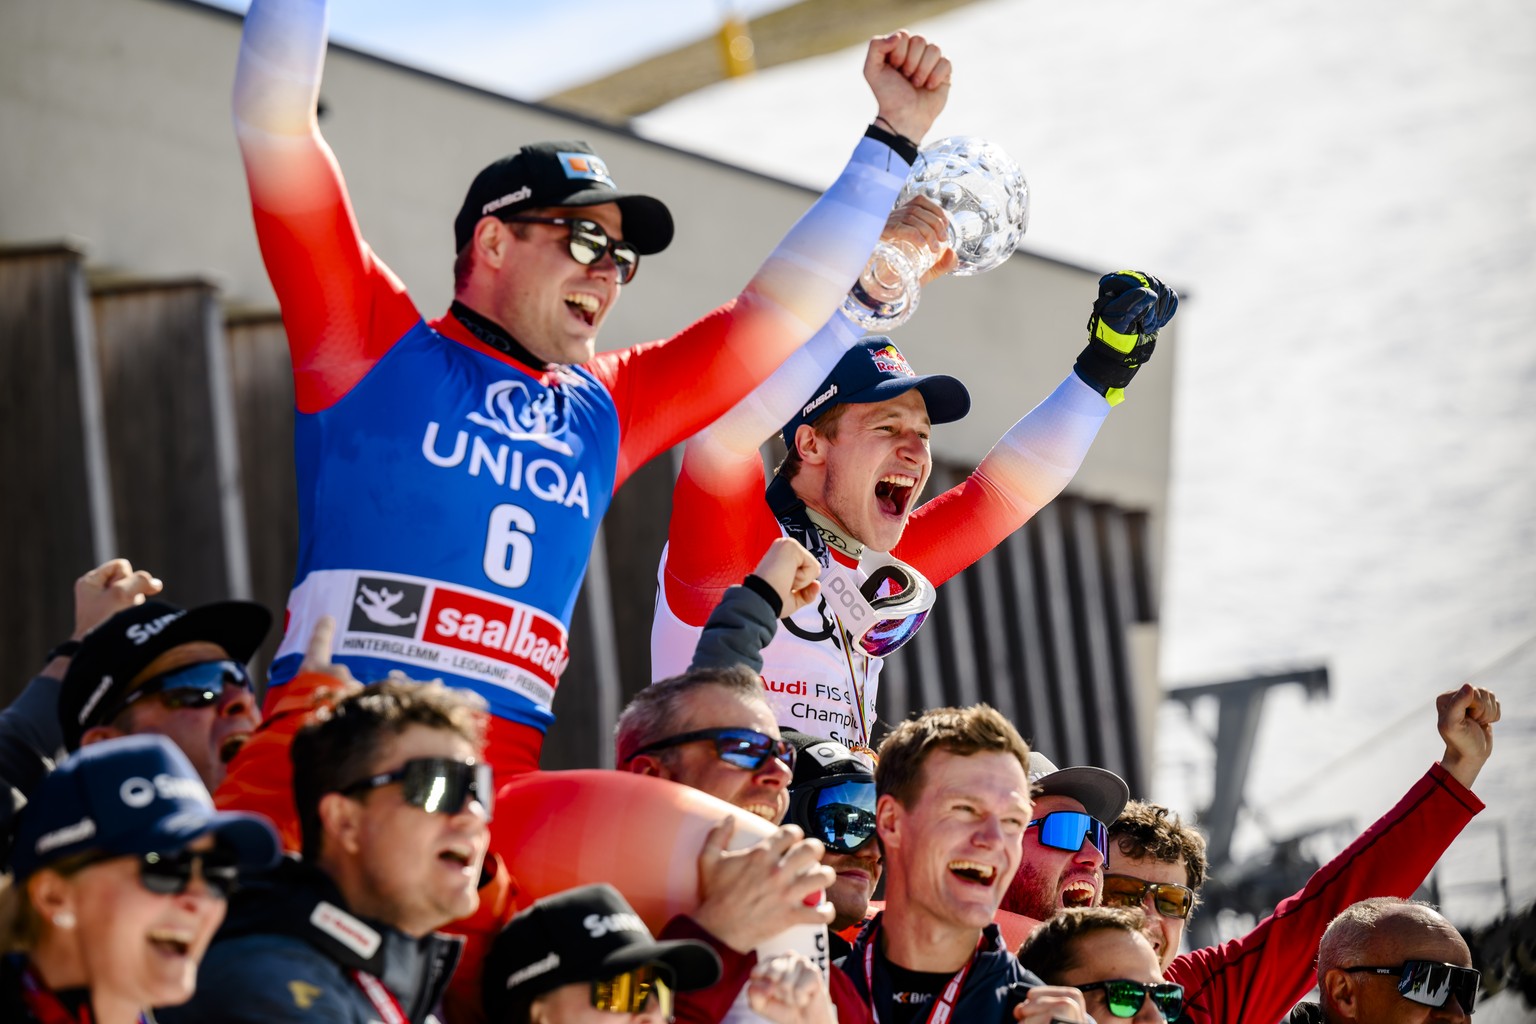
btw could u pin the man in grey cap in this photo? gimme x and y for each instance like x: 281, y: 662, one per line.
x: 1066, y: 841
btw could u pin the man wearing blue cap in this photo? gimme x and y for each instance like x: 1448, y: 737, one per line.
x: 848, y: 490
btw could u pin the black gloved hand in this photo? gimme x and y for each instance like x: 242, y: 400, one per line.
x: 1122, y: 331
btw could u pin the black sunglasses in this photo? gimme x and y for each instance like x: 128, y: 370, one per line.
x: 746, y: 749
x: 839, y: 810
x: 438, y: 785
x: 1431, y: 983
x: 589, y: 241
x: 1125, y: 998
x: 169, y: 874
x: 189, y: 688
x: 1128, y: 891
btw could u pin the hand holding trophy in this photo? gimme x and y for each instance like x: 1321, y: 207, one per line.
x: 986, y: 201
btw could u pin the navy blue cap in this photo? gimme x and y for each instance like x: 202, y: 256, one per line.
x: 120, y: 648
x: 874, y: 370
x: 560, y: 174
x: 131, y: 795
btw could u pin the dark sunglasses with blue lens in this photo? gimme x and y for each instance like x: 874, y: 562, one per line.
x: 839, y: 810
x: 192, y: 687
x: 1068, y: 830
x: 746, y: 749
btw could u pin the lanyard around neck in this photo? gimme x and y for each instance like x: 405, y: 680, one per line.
x: 944, y: 1005
x: 384, y: 1002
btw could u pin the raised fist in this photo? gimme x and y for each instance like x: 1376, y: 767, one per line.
x: 1122, y: 331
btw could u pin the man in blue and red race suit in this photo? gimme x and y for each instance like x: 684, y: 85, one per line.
x: 452, y: 473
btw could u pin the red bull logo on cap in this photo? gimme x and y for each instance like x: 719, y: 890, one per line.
x: 585, y: 165
x: 888, y: 360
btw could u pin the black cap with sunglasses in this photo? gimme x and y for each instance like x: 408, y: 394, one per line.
x: 589, y: 934
x: 566, y: 173
x: 832, y: 795
x: 139, y: 796
x: 97, y: 688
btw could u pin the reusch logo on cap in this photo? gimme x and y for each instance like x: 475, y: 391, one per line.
x: 820, y: 400
x: 585, y: 165
x: 506, y: 200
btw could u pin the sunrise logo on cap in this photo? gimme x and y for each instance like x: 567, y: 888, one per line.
x: 888, y: 360
x: 585, y: 165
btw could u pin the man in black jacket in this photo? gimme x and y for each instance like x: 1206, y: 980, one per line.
x: 393, y: 801
x: 953, y: 804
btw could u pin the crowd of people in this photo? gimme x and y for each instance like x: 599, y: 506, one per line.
x: 341, y: 842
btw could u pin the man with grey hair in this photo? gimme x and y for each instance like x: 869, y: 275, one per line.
x: 711, y: 729
x: 1391, y: 961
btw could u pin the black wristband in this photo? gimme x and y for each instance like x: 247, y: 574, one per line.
x: 760, y: 587
x: 1103, y: 368
x: 67, y: 649
x: 900, y: 144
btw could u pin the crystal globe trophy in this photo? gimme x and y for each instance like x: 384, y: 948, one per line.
x: 986, y: 200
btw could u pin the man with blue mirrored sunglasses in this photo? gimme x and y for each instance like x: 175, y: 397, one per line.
x: 1066, y: 843
x: 156, y: 668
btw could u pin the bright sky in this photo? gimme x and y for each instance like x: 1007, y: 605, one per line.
x: 524, y: 48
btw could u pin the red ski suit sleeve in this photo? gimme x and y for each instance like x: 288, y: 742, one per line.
x: 1260, y: 976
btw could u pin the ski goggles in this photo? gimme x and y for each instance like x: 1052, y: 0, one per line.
x: 437, y: 785
x: 589, y: 241
x: 746, y: 749
x: 1430, y: 983
x: 1068, y: 830
x: 839, y: 810
x: 631, y: 991
x: 1170, y: 900
x: 885, y: 610
x: 1125, y: 998
x: 195, y: 686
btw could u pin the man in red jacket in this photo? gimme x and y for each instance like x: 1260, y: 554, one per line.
x: 1158, y: 863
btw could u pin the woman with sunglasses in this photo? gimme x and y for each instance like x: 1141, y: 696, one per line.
x: 122, y: 869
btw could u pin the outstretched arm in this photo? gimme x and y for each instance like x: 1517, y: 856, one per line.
x: 1041, y: 453
x: 722, y: 357
x: 342, y: 307
x: 721, y: 484
x: 1262, y: 974
x: 744, y: 621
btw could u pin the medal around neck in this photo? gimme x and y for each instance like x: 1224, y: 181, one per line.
x: 986, y: 200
